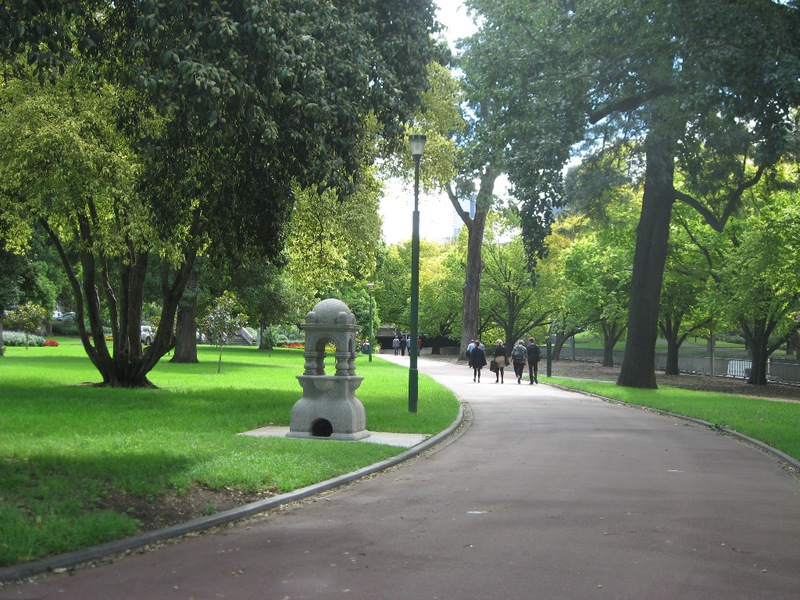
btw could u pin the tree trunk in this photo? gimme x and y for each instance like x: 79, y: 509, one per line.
x: 186, y: 327
x: 796, y: 345
x: 757, y: 340
x: 669, y: 329
x: 608, y: 352
x: 610, y: 338
x: 186, y: 333
x: 558, y: 345
x: 129, y: 365
x: 652, y: 235
x: 436, y: 344
x: 673, y: 349
x: 470, y: 310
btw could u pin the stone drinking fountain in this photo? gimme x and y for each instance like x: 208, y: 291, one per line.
x: 329, y: 408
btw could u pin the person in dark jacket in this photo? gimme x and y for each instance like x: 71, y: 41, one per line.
x: 534, y: 354
x: 477, y: 360
x: 501, y: 358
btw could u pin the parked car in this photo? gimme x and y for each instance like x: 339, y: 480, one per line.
x: 147, y: 334
x: 67, y: 316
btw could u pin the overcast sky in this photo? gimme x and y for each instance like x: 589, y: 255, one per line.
x: 436, y: 216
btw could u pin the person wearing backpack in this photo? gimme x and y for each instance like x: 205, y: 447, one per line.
x: 519, y: 355
x: 534, y: 355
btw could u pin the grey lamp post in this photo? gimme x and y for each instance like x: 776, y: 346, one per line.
x: 370, y: 286
x: 417, y: 148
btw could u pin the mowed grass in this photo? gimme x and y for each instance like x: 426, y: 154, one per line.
x: 774, y: 423
x: 65, y: 445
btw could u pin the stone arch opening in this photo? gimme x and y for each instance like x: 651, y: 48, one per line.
x: 320, y: 349
x: 321, y: 428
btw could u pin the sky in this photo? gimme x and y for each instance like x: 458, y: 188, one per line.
x: 437, y: 220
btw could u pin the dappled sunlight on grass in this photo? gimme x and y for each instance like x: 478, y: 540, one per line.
x: 66, y: 445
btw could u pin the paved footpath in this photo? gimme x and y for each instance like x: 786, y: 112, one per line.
x: 547, y: 495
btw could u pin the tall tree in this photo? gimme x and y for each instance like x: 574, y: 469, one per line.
x: 510, y: 296
x: 759, y: 277
x: 10, y: 280
x: 684, y: 302
x: 441, y: 292
x: 599, y: 274
x: 677, y: 77
x: 253, y: 100
x: 463, y: 158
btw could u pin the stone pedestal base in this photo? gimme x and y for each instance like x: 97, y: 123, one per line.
x: 328, y: 409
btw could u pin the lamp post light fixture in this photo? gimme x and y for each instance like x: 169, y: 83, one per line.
x: 417, y: 148
x: 370, y: 287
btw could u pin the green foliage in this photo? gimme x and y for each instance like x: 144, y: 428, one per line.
x: 68, y: 328
x: 195, y: 128
x: 597, y: 269
x: 512, y: 304
x: 27, y: 318
x: 332, y: 240
x: 222, y: 322
x: 393, y: 284
x: 679, y: 81
x: 441, y: 290
x: 15, y: 338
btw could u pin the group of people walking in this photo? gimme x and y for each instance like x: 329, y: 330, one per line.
x: 521, y: 355
x: 401, y: 345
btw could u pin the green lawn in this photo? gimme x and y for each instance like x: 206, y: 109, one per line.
x: 690, y: 347
x: 774, y: 423
x: 66, y: 445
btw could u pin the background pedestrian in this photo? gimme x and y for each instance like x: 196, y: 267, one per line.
x: 501, y: 358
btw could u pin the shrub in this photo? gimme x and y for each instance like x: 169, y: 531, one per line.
x: 15, y: 338
x: 27, y: 318
x: 65, y: 328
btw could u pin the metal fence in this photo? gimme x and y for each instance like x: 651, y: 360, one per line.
x: 777, y: 371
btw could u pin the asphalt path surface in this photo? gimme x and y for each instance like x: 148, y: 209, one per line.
x: 548, y: 494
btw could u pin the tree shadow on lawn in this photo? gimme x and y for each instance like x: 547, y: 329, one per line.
x: 54, y: 477
x: 66, y: 411
x: 55, y: 503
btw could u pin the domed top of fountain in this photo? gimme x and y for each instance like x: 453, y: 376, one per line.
x: 331, y: 312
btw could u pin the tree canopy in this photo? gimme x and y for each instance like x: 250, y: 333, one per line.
x: 216, y: 113
x: 705, y: 88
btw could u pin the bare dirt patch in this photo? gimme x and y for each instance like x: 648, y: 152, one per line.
x: 174, y: 507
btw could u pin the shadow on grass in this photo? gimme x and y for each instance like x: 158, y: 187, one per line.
x: 55, y: 503
x: 79, y: 481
